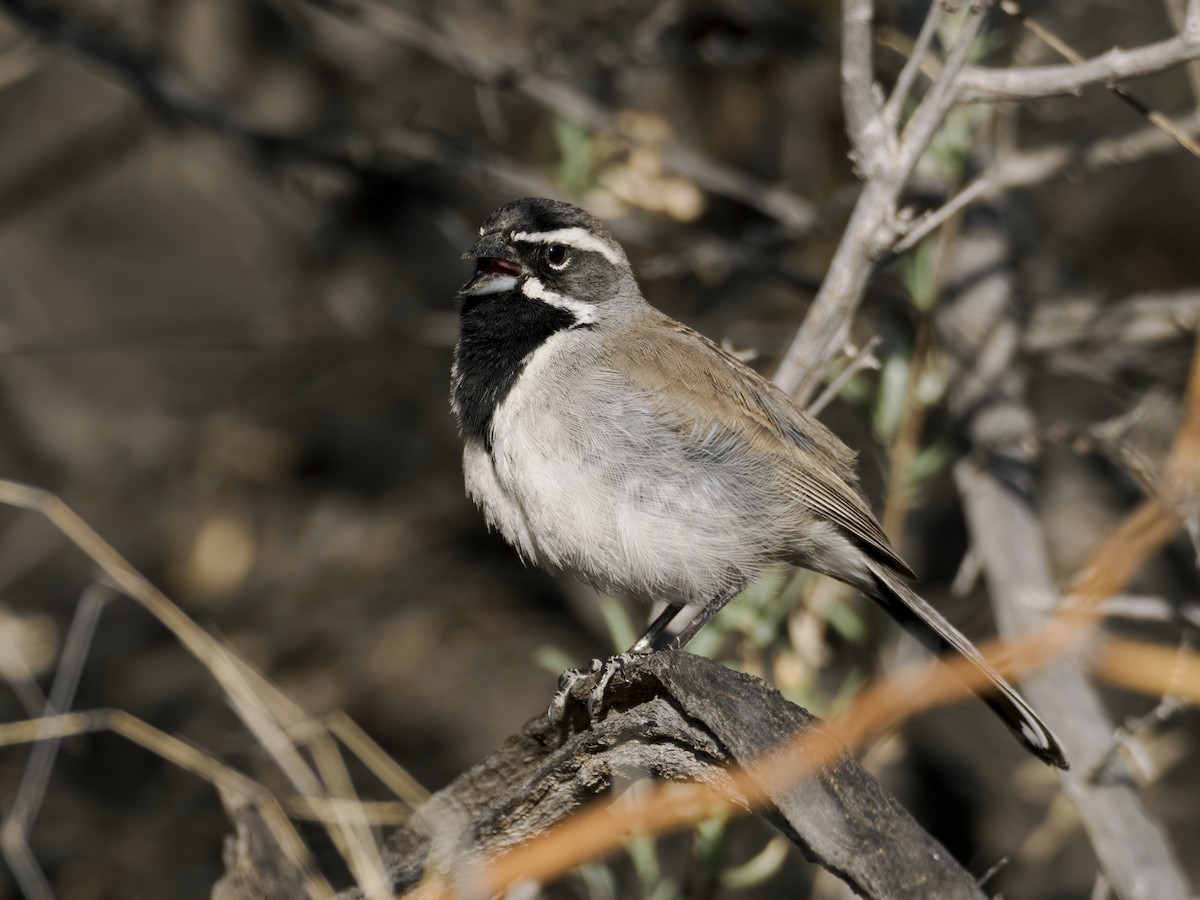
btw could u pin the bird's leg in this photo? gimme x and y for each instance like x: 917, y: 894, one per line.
x: 571, y: 677
x: 655, y: 638
x: 647, y: 642
x: 566, y: 681
x: 690, y: 630
x: 644, y: 645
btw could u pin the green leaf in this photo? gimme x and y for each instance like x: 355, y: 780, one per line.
x: 620, y: 629
x: 553, y: 659
x: 757, y: 869
x: 575, y: 168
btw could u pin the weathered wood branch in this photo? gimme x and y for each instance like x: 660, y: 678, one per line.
x: 676, y: 717
x: 981, y: 328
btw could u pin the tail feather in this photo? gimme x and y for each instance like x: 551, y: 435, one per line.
x: 931, y: 628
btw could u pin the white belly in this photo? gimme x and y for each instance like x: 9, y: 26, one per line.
x: 583, y: 478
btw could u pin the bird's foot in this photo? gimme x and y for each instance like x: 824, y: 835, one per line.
x: 566, y: 681
x: 604, y: 672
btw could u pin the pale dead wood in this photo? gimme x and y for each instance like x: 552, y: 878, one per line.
x: 981, y: 330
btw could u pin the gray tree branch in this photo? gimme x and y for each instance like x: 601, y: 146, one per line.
x: 928, y: 117
x: 981, y: 331
x: 978, y: 84
x: 877, y: 227
x: 912, y: 66
x: 864, y: 122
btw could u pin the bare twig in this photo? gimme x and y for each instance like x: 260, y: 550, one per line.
x: 14, y: 834
x: 374, y: 757
x: 1128, y: 734
x: 863, y: 358
x: 187, y: 757
x: 352, y: 829
x: 864, y: 123
x: 1023, y: 170
x: 934, y: 219
x: 912, y: 66
x: 928, y: 117
x: 1140, y: 608
x: 1036, y: 166
x: 977, y: 84
x: 826, y: 327
x: 871, y: 231
x: 1150, y: 668
x: 1136, y: 319
x: 1177, y: 10
x: 1119, y: 91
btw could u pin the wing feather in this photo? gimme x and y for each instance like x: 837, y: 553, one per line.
x: 673, y: 360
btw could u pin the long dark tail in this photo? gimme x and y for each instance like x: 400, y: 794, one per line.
x: 931, y: 629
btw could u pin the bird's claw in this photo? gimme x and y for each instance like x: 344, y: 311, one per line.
x: 566, y: 681
x: 595, y: 702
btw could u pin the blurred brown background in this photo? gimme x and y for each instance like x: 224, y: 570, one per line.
x: 229, y: 243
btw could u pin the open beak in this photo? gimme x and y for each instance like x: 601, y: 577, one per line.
x: 496, y: 269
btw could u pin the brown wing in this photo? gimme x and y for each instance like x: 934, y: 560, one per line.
x: 697, y: 371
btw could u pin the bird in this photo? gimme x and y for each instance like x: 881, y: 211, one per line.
x: 604, y: 439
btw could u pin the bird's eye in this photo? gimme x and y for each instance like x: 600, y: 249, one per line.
x: 556, y: 256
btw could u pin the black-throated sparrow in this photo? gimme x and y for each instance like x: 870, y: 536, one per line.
x: 605, y: 439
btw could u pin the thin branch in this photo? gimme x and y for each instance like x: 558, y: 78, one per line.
x: 251, y: 697
x: 62, y: 695
x: 928, y: 118
x: 1034, y: 167
x: 912, y: 67
x: 1071, y: 55
x: 936, y: 218
x: 560, y: 98
x: 14, y: 834
x: 864, y: 124
x: 826, y: 327
x: 977, y: 84
x: 232, y: 784
x: 864, y: 359
x: 869, y: 234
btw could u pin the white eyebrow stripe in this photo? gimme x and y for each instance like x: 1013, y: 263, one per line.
x: 579, y: 238
x: 585, y: 313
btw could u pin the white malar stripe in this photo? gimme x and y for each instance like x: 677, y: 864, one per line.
x: 585, y: 313
x: 579, y: 238
x: 495, y: 285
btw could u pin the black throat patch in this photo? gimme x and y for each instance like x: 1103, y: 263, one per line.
x: 497, y: 333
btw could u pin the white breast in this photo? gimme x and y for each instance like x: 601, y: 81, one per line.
x: 585, y: 478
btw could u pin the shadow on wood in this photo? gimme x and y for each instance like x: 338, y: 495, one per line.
x: 677, y: 717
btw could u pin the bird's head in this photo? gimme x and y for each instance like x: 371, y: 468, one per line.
x: 551, y: 252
